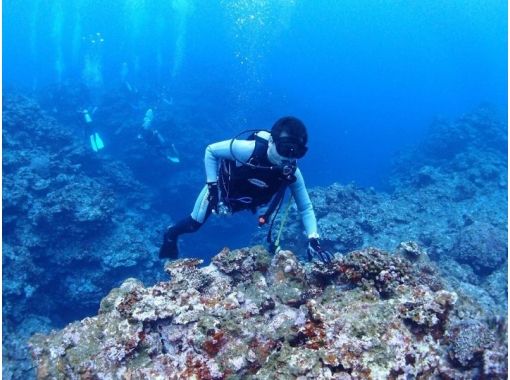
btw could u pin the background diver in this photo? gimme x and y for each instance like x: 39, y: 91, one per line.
x: 249, y: 174
x: 154, y: 139
x: 96, y: 142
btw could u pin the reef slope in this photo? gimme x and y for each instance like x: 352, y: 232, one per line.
x: 369, y: 315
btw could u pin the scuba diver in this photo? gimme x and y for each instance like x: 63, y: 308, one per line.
x: 154, y: 139
x: 253, y: 174
x: 96, y: 142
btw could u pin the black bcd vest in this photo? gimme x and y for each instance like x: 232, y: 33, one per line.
x: 250, y: 186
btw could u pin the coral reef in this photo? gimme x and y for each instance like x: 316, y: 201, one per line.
x: 250, y: 315
x: 63, y: 216
x: 448, y: 196
x: 77, y: 224
x: 468, y: 340
x: 482, y: 246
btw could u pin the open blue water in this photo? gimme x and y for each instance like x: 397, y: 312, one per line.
x: 366, y: 76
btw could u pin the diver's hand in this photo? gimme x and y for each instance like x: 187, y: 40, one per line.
x: 212, y: 195
x: 315, y: 250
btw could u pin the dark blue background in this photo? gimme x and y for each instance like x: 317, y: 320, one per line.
x: 366, y: 76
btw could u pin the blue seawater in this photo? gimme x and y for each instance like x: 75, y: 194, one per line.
x: 368, y: 78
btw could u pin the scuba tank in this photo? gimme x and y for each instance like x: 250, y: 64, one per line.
x: 147, y: 120
x: 87, y: 117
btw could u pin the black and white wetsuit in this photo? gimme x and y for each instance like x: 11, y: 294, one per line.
x: 259, y: 182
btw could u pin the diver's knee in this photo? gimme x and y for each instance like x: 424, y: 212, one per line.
x: 194, y: 225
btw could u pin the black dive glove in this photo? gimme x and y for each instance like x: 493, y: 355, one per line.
x: 315, y: 250
x: 213, y: 195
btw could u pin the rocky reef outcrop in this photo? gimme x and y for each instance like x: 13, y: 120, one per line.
x: 448, y: 194
x: 368, y: 315
x: 77, y: 224
x: 65, y: 213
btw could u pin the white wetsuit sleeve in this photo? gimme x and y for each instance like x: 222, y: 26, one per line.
x: 304, y: 205
x: 214, y: 153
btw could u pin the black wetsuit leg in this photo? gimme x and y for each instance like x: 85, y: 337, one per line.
x: 169, y: 248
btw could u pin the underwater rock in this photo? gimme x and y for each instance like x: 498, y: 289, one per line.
x: 496, y: 285
x: 411, y: 250
x: 240, y: 317
x: 448, y: 195
x: 482, y: 246
x: 66, y: 211
x: 287, y: 279
x: 16, y: 363
x: 425, y: 176
x: 240, y: 264
x: 72, y: 222
x: 468, y: 340
x: 374, y: 268
x: 184, y: 274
